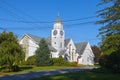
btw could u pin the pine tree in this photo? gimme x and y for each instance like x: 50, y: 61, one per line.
x: 110, y: 31
x: 43, y: 54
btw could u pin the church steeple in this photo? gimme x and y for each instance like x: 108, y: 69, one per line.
x: 58, y: 20
x: 58, y: 23
x: 57, y: 38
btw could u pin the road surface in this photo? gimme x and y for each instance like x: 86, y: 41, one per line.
x: 31, y: 75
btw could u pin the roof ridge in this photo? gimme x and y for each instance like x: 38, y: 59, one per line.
x: 81, y: 42
x: 33, y: 35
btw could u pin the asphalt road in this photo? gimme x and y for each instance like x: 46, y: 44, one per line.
x: 31, y: 75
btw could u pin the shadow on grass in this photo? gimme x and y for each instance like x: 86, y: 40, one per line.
x: 25, y: 67
x: 16, y: 69
x: 86, y: 75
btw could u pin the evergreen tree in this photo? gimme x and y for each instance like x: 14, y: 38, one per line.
x: 43, y: 54
x: 11, y: 52
x: 110, y: 31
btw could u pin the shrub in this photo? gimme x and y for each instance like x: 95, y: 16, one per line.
x: 73, y: 64
x: 114, y: 62
x: 15, y: 68
x: 111, y: 62
x: 30, y: 60
x: 59, y: 61
x: 103, y: 61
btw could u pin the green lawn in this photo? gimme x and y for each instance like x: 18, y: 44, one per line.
x: 27, y: 69
x: 89, y: 75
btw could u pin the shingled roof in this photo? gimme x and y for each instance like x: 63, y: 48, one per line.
x: 81, y: 47
x: 66, y: 42
x: 48, y: 40
x: 62, y: 52
x: 37, y: 40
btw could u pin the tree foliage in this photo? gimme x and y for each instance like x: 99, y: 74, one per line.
x: 96, y: 51
x: 11, y: 52
x: 111, y: 62
x: 59, y: 61
x: 110, y: 31
x: 30, y: 60
x: 43, y: 54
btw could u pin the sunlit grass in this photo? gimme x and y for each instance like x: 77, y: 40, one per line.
x: 27, y: 69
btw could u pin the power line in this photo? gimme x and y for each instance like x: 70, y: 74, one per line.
x: 23, y: 21
x: 36, y: 20
x: 48, y: 27
x: 14, y: 14
x: 22, y: 12
x: 84, y: 23
x: 10, y: 13
x: 79, y: 19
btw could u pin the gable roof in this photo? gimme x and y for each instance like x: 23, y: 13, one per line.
x: 62, y: 52
x: 37, y: 40
x: 48, y: 40
x: 81, y: 47
x: 66, y: 42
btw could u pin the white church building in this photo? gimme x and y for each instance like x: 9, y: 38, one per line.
x: 59, y: 46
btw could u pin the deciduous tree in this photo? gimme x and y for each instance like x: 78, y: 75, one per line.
x: 11, y: 52
x: 96, y: 51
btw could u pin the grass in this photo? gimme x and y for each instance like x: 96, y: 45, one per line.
x: 27, y: 69
x: 88, y: 75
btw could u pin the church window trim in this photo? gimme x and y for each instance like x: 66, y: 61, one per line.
x: 72, y: 54
x: 88, y: 59
x: 61, y: 44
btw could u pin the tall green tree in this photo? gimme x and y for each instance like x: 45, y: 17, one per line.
x: 43, y: 54
x: 11, y: 52
x: 110, y: 31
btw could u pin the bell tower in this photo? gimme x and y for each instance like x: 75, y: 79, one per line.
x: 57, y: 35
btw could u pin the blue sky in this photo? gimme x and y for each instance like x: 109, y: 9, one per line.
x: 15, y: 15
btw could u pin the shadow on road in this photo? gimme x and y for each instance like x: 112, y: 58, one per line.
x: 31, y: 75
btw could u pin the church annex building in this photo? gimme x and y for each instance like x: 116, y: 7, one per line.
x: 59, y: 46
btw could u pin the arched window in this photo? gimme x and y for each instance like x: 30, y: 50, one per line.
x: 88, y: 59
x: 72, y: 54
x: 69, y: 48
